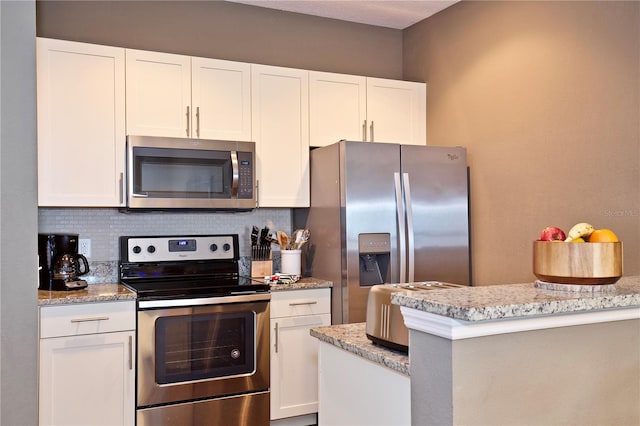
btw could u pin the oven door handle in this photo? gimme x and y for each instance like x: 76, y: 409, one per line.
x: 220, y: 300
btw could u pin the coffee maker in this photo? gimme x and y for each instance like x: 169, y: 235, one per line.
x: 60, y: 265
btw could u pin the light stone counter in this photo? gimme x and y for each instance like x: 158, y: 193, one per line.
x: 520, y: 300
x: 352, y: 338
x: 92, y: 293
x: 303, y: 284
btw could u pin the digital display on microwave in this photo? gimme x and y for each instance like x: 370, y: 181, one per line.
x: 244, y: 163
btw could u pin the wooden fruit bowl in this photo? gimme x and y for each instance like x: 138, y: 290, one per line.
x: 577, y: 263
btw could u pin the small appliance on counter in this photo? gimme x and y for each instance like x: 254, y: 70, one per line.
x: 59, y: 263
x: 385, y: 325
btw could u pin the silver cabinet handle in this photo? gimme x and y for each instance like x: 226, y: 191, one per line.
x: 188, y: 119
x: 121, y: 185
x: 275, y: 345
x: 198, y: 121
x: 364, y: 131
x: 130, y: 353
x: 313, y: 302
x: 371, y: 132
x: 89, y: 319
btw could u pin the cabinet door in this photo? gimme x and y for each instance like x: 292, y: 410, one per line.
x: 294, y: 365
x: 280, y: 128
x: 158, y: 94
x: 81, y: 124
x: 87, y: 380
x: 221, y: 99
x: 337, y: 108
x: 396, y: 111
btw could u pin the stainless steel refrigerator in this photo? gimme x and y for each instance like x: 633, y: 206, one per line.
x: 385, y: 213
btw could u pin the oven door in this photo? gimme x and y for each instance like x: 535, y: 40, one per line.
x: 167, y: 173
x: 192, y: 349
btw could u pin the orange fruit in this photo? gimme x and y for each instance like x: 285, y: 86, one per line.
x: 603, y: 236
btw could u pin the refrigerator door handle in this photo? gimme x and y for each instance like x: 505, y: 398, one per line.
x: 401, y: 228
x: 410, y: 236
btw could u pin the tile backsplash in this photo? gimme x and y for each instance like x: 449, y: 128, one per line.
x: 103, y: 226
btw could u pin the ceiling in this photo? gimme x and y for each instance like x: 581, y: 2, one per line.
x: 384, y: 13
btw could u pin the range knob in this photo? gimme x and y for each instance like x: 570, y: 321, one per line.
x: 137, y: 249
x: 213, y: 247
x: 151, y: 249
x: 226, y: 247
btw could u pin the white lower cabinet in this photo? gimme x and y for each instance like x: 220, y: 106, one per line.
x: 86, y: 364
x: 294, y: 353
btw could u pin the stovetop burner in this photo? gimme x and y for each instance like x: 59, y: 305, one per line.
x: 172, y: 267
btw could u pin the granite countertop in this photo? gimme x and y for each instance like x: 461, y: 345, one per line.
x: 352, y: 338
x: 303, y: 284
x: 92, y: 293
x: 113, y: 291
x: 521, y: 300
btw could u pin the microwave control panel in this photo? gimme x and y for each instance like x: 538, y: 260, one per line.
x: 245, y: 175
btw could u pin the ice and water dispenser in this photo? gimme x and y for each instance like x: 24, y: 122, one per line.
x: 374, y: 251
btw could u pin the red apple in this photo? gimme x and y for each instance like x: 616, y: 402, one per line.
x: 552, y: 233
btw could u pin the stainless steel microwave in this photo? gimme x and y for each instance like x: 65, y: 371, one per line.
x: 178, y: 173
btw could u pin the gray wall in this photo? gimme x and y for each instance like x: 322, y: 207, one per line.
x: 224, y: 30
x: 18, y: 215
x: 546, y: 98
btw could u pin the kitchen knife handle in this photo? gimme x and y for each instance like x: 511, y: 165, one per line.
x: 275, y: 345
x: 401, y: 228
x: 188, y: 119
x: 364, y: 131
x: 410, y: 236
x: 198, y: 121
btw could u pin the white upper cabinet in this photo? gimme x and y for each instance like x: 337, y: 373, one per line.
x: 350, y: 107
x: 337, y: 108
x: 280, y: 126
x: 396, y: 111
x: 180, y: 96
x: 221, y: 99
x: 158, y: 94
x: 81, y: 124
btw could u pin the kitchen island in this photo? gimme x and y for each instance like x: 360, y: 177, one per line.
x: 522, y: 354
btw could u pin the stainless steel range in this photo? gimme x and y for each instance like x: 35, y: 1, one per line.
x: 203, y: 332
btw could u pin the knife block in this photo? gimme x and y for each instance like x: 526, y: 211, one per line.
x: 261, y: 268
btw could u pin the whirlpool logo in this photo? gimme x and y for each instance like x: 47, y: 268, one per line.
x: 452, y: 157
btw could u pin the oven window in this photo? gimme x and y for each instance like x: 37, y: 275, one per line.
x: 204, y: 346
x: 181, y: 173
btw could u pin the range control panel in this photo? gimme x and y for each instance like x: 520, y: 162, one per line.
x: 178, y: 248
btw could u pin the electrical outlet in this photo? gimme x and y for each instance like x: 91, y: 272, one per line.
x: 84, y: 247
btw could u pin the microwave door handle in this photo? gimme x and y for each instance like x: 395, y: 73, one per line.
x: 235, y: 177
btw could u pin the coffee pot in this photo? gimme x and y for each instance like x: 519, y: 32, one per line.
x: 60, y: 264
x: 67, y: 268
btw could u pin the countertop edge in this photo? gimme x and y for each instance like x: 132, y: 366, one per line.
x: 510, y: 301
x: 352, y: 338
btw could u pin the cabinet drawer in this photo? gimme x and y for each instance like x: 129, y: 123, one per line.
x: 87, y: 318
x: 300, y: 302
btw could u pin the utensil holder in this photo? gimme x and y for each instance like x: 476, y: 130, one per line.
x: 290, y: 261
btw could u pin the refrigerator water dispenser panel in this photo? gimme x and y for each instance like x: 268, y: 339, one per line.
x: 375, y: 253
